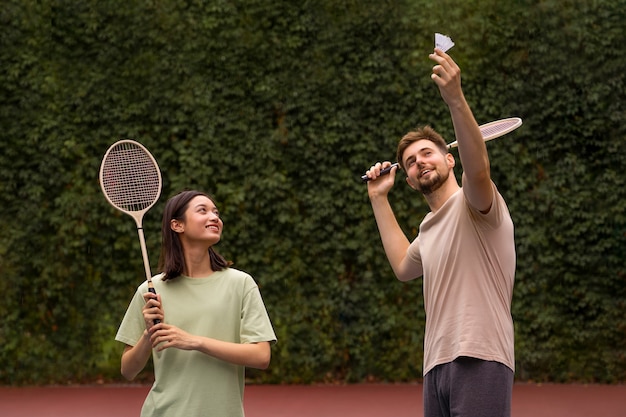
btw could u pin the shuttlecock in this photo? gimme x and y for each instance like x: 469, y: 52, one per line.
x: 443, y: 42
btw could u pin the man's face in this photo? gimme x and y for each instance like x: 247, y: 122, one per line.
x: 427, y: 168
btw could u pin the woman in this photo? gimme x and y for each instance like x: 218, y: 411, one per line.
x: 213, y: 322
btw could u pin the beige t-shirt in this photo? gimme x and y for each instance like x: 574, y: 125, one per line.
x: 468, y: 264
x: 226, y: 306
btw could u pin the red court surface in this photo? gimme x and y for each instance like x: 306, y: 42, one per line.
x: 381, y: 400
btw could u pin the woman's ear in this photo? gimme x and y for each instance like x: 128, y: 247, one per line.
x: 177, y: 226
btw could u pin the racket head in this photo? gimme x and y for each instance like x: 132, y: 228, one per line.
x: 495, y: 129
x: 130, y: 178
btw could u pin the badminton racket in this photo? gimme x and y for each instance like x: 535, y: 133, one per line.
x: 131, y: 182
x: 489, y: 131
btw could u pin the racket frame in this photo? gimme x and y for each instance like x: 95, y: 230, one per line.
x: 135, y: 214
x: 490, y: 131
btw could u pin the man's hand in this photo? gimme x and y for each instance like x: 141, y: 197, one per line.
x: 472, y: 150
x: 379, y: 185
x: 447, y: 75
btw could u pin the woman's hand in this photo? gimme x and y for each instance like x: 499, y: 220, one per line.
x: 152, y: 309
x: 165, y: 336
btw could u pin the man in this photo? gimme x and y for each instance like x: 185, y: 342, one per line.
x: 465, y: 252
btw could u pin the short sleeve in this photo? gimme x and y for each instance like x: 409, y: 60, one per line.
x: 496, y: 214
x: 414, y: 254
x: 255, y: 322
x: 133, y: 325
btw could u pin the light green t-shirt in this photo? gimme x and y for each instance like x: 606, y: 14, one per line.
x: 226, y: 306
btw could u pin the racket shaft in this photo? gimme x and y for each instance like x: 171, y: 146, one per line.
x: 146, y: 263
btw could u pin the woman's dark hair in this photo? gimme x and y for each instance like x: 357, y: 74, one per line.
x: 172, y: 259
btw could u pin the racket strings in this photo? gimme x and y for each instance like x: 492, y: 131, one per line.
x: 130, y: 178
x: 497, y: 127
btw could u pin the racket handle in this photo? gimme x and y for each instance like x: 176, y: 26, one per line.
x: 153, y: 291
x: 385, y: 171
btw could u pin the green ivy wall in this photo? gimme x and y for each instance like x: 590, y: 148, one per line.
x: 276, y: 108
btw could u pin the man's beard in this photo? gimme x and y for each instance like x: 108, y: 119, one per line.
x: 432, y: 184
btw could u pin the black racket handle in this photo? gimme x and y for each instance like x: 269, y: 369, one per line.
x: 153, y: 291
x: 385, y: 171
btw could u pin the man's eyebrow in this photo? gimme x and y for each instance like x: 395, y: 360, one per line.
x: 420, y: 150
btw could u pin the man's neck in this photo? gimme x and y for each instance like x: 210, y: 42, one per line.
x: 438, y: 198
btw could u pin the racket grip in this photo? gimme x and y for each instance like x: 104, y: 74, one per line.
x: 153, y: 291
x: 385, y: 171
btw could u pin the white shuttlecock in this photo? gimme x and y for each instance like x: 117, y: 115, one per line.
x: 443, y: 42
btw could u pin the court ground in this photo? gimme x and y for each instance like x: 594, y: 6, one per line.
x: 380, y: 400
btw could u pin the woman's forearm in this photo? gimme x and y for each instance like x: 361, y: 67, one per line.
x: 251, y: 355
x: 134, y: 358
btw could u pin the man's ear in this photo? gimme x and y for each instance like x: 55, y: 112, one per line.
x: 177, y: 226
x: 408, y: 181
x: 450, y: 159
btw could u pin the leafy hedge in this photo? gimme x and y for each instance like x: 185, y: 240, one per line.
x: 276, y: 108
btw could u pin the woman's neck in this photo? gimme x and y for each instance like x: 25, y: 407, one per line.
x: 197, y: 263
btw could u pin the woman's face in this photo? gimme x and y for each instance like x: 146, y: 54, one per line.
x: 201, y: 222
